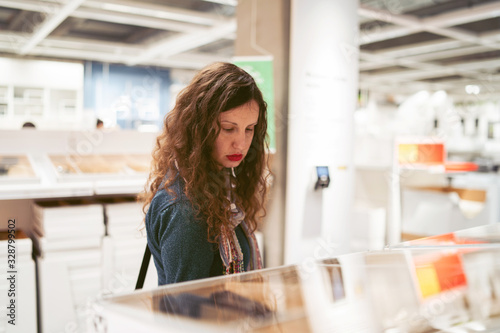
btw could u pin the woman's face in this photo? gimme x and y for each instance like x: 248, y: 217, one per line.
x: 236, y: 134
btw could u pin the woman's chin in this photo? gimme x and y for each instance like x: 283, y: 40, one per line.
x: 231, y: 164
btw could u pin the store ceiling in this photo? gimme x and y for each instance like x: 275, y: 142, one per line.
x: 405, y: 45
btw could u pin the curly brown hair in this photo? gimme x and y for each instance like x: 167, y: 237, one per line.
x: 187, y: 140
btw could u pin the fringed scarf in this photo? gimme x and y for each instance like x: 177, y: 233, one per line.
x: 229, y: 246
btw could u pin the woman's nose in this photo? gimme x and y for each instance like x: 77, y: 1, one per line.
x: 239, y: 140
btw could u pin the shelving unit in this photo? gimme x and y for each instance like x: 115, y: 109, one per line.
x: 29, y: 102
x: 64, y: 103
x: 47, y: 93
x: 425, y: 184
x: 4, y: 105
x: 23, y: 103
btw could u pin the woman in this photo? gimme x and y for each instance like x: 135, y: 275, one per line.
x: 207, y: 184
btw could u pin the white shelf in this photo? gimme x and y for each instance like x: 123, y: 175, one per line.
x: 131, y: 186
x: 37, y: 191
x: 19, y: 102
x: 73, y: 189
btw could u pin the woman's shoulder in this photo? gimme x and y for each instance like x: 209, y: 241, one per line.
x: 174, y: 195
x: 173, y: 212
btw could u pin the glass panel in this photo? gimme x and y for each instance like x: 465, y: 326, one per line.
x: 63, y: 102
x: 3, y: 94
x: 415, y: 291
x: 15, y: 167
x: 482, y: 236
x: 33, y: 95
x: 100, y: 164
x: 28, y: 101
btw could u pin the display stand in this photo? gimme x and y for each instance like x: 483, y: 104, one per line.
x: 430, y: 195
x: 434, y: 285
x: 59, y: 185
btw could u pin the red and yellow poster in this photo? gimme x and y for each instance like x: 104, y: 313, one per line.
x: 421, y: 153
x: 441, y: 271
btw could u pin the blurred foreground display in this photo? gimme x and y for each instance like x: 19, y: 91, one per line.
x: 446, y: 283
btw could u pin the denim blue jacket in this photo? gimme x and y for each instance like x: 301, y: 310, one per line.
x: 178, y: 242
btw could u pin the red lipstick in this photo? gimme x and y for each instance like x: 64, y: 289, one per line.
x: 235, y: 157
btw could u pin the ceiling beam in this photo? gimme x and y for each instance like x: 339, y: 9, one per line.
x: 466, y: 68
x: 421, y: 52
x: 421, y: 48
x: 463, y: 51
x: 389, y: 62
x: 196, y: 60
x: 134, y: 19
x: 435, y: 26
x: 82, y: 45
x: 233, y: 3
x: 157, y: 11
x: 386, y: 16
x: 368, y: 63
x: 179, y: 44
x: 376, y: 33
x: 74, y: 43
x: 92, y: 10
x: 77, y: 54
x: 30, y: 5
x: 45, y: 28
x: 465, y: 15
x: 187, y: 61
x: 78, y: 46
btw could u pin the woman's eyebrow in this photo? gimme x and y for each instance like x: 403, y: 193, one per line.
x: 227, y: 121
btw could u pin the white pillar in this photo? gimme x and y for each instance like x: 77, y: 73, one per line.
x: 323, y: 92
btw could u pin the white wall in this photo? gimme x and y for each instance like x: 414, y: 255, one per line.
x: 41, y: 73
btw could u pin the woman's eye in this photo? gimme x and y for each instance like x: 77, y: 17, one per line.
x: 229, y: 130
x: 249, y: 129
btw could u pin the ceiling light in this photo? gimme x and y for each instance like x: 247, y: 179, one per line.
x: 472, y: 89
